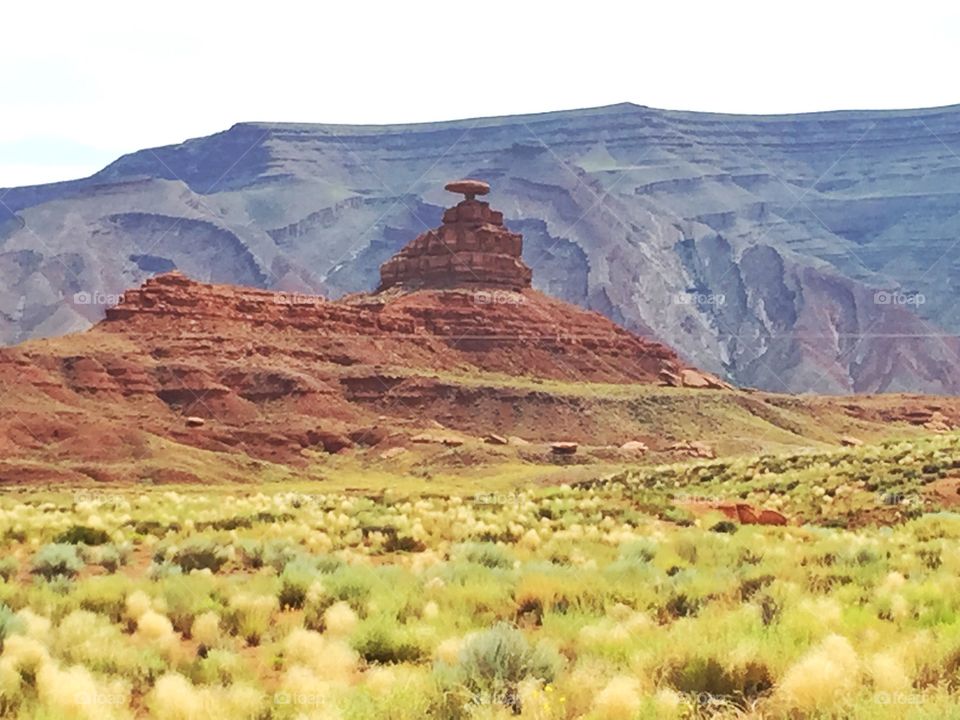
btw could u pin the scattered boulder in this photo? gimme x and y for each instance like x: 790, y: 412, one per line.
x: 194, y: 422
x: 772, y: 517
x: 851, y: 441
x: 634, y: 446
x: 668, y: 378
x: 563, y: 448
x: 691, y: 378
x: 938, y: 423
x: 493, y: 439
x: 392, y: 453
x: 332, y: 442
x: 702, y: 449
x: 438, y: 438
x: 369, y: 436
x: 170, y: 476
x: 747, y: 515
x: 696, y: 379
x: 693, y: 448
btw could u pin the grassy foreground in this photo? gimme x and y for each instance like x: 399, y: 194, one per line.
x: 606, y: 599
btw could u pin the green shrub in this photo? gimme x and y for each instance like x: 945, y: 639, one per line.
x: 105, y: 595
x: 81, y: 535
x: 295, y: 580
x: 485, y: 553
x: 186, y: 597
x: 494, y: 662
x: 250, y: 616
x: 216, y: 667
x: 352, y: 585
x: 327, y: 564
x: 277, y: 553
x: 250, y: 553
x: 383, y: 641
x: 109, y: 557
x: 9, y: 623
x: 200, y: 554
x: 57, y: 560
x: 158, y: 571
x: 403, y: 544
x: 678, y: 606
x: 676, y: 515
x: 153, y: 527
x: 711, y: 677
x: 724, y: 526
x: 640, y: 551
x: 9, y: 567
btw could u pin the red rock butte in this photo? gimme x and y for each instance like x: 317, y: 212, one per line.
x: 259, y: 373
x: 472, y: 248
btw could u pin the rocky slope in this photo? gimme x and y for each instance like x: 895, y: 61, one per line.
x: 802, y: 253
x: 192, y: 382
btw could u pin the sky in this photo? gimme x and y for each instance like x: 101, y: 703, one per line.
x: 83, y: 83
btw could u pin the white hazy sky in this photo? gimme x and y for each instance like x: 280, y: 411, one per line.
x: 83, y: 82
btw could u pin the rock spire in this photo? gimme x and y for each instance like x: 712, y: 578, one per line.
x: 472, y: 248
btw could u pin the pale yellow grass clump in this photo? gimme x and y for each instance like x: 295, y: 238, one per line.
x: 899, y: 606
x: 581, y: 686
x: 138, y: 602
x: 828, y: 674
x: 156, y: 629
x: 254, y: 612
x: 623, y: 625
x: 888, y: 673
x: 176, y: 698
x: 75, y: 693
x: 620, y: 535
x: 88, y: 638
x: 530, y: 540
x: 340, y: 620
x: 890, y: 590
x: 319, y: 541
x: 892, y: 582
x: 434, y: 585
x: 619, y: 700
x: 431, y: 610
x: 22, y: 656
x: 34, y: 625
x: 315, y: 592
x: 380, y: 680
x: 206, y: 629
x: 668, y: 703
x: 330, y: 660
x: 812, y: 616
x: 448, y: 651
x: 309, y: 697
x: 425, y: 560
x: 539, y: 702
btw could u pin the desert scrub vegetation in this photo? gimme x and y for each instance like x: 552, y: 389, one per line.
x: 604, y: 601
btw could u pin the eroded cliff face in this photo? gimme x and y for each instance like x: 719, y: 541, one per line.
x: 810, y: 252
